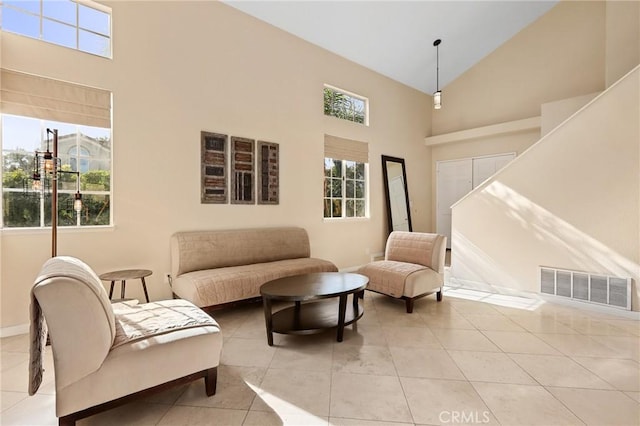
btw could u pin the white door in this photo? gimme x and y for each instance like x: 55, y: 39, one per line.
x: 485, y: 167
x: 454, y: 179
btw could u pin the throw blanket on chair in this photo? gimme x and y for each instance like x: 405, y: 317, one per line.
x: 388, y: 276
x: 38, y: 341
x: 137, y: 322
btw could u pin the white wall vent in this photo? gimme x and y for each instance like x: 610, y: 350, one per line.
x: 586, y: 287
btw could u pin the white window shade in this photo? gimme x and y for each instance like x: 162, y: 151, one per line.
x: 346, y: 149
x: 40, y: 97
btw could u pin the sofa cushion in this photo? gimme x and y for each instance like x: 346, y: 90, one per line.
x: 222, y: 285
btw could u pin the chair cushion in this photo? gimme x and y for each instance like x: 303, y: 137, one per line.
x: 388, y: 276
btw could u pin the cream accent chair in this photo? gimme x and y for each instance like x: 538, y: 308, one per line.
x: 413, y: 267
x: 92, y: 374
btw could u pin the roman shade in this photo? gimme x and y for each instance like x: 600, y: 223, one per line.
x: 40, y: 97
x: 346, y: 149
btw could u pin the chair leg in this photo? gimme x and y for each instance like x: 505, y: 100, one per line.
x: 211, y: 380
x: 409, y: 303
x: 439, y: 296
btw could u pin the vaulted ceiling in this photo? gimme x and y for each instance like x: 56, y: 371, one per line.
x: 395, y: 38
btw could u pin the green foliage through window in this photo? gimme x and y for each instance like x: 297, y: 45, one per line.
x: 25, y: 207
x: 345, y: 106
x: 344, y: 188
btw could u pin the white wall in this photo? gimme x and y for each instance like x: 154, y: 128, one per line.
x: 571, y: 201
x: 183, y: 67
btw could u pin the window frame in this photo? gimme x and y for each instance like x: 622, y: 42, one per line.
x: 343, y: 197
x: 78, y: 29
x: 351, y: 95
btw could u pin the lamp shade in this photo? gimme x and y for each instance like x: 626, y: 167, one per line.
x: 437, y: 100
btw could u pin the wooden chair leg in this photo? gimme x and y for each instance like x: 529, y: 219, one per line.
x: 211, y: 380
x: 409, y: 302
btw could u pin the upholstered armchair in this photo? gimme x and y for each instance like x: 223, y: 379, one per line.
x: 107, y: 354
x: 413, y: 267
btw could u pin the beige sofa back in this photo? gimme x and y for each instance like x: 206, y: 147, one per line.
x: 200, y: 250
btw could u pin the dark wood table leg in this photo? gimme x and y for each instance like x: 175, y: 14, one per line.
x: 122, y: 284
x: 356, y: 296
x: 111, y: 290
x: 144, y: 287
x: 342, y: 309
x: 266, y: 302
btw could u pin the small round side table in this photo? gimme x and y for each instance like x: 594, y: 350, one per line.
x: 123, y: 276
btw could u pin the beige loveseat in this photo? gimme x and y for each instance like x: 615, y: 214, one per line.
x: 413, y: 267
x: 108, y: 354
x: 212, y: 268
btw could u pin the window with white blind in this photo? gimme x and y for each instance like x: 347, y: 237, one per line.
x: 78, y: 24
x: 82, y: 116
x: 346, y: 174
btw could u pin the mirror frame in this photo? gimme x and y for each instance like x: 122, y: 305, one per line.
x: 388, y: 159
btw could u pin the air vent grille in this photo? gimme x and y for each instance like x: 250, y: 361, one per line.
x: 586, y: 287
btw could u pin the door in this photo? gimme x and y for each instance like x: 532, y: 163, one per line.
x: 485, y: 167
x: 454, y: 179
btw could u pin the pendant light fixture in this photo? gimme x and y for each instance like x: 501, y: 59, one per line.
x: 437, y: 96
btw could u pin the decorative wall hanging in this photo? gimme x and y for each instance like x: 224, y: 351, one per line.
x: 268, y: 173
x: 242, y: 170
x: 213, y: 169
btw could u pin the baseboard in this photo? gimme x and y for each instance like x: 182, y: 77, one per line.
x: 14, y: 330
x: 351, y: 269
x: 455, y: 283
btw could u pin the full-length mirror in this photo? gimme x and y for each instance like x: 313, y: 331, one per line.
x: 395, y: 188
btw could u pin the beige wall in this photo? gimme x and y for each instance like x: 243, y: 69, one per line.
x: 560, y: 55
x: 623, y: 38
x: 182, y: 67
x: 554, y: 113
x: 573, y: 51
x: 571, y: 202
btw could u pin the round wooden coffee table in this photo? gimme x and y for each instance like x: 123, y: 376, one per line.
x: 315, y: 315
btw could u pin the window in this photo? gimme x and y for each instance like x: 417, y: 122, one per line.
x: 347, y: 106
x: 345, y: 178
x: 23, y: 206
x: 82, y: 115
x: 80, y: 24
x: 345, y: 188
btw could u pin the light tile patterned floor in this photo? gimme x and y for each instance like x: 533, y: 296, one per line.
x: 492, y: 360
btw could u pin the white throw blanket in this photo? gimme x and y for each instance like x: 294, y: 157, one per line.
x: 137, y: 322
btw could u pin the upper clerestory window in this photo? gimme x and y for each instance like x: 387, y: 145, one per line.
x: 81, y: 24
x: 348, y: 106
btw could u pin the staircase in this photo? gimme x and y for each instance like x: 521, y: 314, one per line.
x: 570, y: 202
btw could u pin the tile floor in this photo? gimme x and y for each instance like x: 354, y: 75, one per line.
x: 474, y: 358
